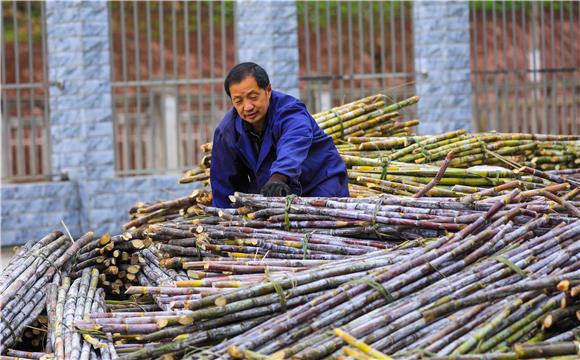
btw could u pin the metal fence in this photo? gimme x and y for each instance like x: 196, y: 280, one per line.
x: 24, y: 91
x: 352, y: 49
x: 525, y: 66
x: 169, y: 60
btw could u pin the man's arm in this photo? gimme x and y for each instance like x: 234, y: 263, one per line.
x: 294, y: 142
x: 226, y: 175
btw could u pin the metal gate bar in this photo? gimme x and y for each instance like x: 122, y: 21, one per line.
x: 353, y: 49
x: 524, y: 66
x: 169, y: 60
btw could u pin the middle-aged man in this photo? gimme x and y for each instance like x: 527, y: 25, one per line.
x: 268, y: 143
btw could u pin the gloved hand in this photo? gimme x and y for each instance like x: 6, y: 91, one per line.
x: 276, y: 186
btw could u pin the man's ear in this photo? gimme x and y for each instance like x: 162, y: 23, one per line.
x: 269, y: 90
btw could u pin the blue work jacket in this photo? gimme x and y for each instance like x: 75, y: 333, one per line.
x: 292, y: 145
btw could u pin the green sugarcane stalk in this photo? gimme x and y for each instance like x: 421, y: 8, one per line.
x: 524, y: 351
x: 347, y: 114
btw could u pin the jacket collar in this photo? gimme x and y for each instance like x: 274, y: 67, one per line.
x: 245, y: 143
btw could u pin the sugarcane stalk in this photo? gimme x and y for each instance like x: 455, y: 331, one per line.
x: 524, y: 351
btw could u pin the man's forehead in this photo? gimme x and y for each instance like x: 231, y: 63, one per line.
x: 242, y: 92
x: 244, y: 87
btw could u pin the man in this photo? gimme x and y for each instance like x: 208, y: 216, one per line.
x: 268, y: 143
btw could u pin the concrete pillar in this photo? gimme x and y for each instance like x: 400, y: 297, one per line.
x: 81, y: 112
x: 441, y: 48
x: 267, y: 34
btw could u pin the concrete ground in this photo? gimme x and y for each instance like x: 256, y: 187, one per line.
x: 5, y: 255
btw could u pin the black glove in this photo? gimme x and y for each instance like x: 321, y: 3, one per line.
x: 275, y: 188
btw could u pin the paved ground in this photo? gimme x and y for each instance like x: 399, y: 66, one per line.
x: 5, y: 255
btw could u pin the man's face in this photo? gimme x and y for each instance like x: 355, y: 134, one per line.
x: 250, y: 101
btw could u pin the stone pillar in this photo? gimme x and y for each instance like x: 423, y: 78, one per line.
x: 267, y: 34
x: 81, y: 107
x: 442, y: 52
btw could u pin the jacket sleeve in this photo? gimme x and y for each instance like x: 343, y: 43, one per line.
x: 294, y: 143
x: 226, y: 172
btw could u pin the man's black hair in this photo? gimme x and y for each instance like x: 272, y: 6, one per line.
x: 243, y: 70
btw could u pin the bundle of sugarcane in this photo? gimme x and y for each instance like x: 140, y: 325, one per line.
x: 23, y: 283
x: 369, y: 116
x: 154, y: 280
x: 408, y: 180
x: 71, y: 301
x: 545, y: 152
x: 403, y: 218
x: 143, y: 214
x: 115, y: 257
x: 361, y: 298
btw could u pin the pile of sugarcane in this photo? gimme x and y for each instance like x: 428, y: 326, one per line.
x: 215, y: 282
x: 501, y: 266
x: 377, y: 268
x: 24, y: 282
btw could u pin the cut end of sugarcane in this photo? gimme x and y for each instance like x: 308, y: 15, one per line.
x: 162, y: 323
x: 138, y: 244
x: 548, y: 321
x: 195, y: 193
x: 235, y: 352
x: 564, y: 285
x: 185, y: 320
x: 220, y: 301
x: 105, y: 239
